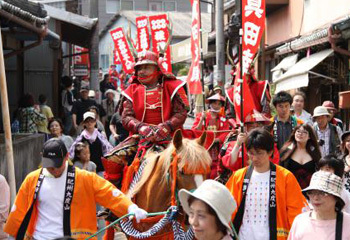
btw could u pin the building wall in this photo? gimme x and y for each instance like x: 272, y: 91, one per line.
x: 302, y: 17
x: 139, y: 5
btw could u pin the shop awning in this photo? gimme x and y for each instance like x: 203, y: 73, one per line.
x: 298, y: 75
x: 283, y: 66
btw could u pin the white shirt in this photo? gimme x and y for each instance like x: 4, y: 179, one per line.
x: 255, y: 224
x: 49, y: 224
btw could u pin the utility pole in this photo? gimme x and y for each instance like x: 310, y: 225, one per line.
x: 94, y: 51
x: 220, y: 43
x: 7, y: 125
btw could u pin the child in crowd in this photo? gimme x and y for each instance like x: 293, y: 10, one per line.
x: 82, y: 157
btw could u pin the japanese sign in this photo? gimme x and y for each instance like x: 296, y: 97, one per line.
x: 123, y: 50
x: 81, y: 62
x: 160, y: 35
x: 253, y: 22
x: 194, y: 75
x: 142, y: 34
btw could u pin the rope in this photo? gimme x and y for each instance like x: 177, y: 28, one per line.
x: 121, y: 218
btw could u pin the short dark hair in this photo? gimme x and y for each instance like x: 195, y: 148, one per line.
x: 333, y: 162
x: 42, y: 98
x: 282, y: 97
x: 221, y: 227
x: 260, y: 139
x: 95, y: 108
x: 66, y: 81
x: 55, y: 120
x: 302, y: 94
x: 27, y: 100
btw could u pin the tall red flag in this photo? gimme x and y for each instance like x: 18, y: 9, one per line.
x: 194, y: 75
x: 123, y: 50
x: 160, y: 35
x: 142, y: 33
x: 253, y: 22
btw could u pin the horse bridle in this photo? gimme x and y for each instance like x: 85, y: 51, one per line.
x: 173, y: 184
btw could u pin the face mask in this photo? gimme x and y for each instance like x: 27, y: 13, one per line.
x: 154, y: 75
x: 214, y: 110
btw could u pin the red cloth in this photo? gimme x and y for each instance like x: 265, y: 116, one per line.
x: 136, y: 94
x: 113, y: 77
x: 153, y: 113
x: 217, y: 124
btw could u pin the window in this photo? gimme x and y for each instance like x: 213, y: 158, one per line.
x: 155, y: 6
x: 112, y: 6
x: 127, y: 5
x: 104, y: 61
x: 169, y: 6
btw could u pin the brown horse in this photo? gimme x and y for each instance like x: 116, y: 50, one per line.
x: 184, y: 164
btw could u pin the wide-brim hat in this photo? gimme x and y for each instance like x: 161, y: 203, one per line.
x: 326, y: 182
x: 320, y: 111
x: 216, y: 97
x: 344, y: 135
x: 217, y: 196
x: 329, y: 105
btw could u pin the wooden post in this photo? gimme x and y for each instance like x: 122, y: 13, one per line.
x: 7, y: 124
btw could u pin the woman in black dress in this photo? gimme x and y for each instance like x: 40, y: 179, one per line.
x: 301, y: 153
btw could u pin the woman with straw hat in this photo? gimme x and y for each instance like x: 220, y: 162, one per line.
x: 326, y: 220
x: 209, y: 208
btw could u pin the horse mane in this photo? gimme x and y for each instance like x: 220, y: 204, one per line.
x: 146, y: 173
x: 191, y: 154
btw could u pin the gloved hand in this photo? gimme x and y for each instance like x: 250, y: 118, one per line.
x: 139, y: 213
x: 162, y: 132
x: 147, y: 132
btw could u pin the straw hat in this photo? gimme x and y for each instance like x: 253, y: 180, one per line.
x: 216, y: 97
x: 326, y: 182
x: 320, y: 111
x: 216, y: 195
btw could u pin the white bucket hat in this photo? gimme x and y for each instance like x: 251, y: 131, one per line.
x: 326, y: 182
x: 217, y: 196
x: 320, y: 111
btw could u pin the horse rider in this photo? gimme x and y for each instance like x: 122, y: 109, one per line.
x: 155, y: 104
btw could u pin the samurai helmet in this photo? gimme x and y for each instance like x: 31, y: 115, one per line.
x: 146, y: 57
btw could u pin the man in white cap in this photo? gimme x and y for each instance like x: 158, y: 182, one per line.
x: 328, y: 134
x: 60, y: 200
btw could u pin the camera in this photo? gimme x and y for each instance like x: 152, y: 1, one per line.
x: 321, y: 142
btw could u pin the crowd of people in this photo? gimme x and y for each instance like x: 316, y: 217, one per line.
x: 285, y: 176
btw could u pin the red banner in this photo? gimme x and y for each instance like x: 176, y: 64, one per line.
x: 160, y: 35
x: 194, y: 74
x: 253, y: 21
x: 142, y: 34
x: 123, y: 50
x: 248, y: 100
